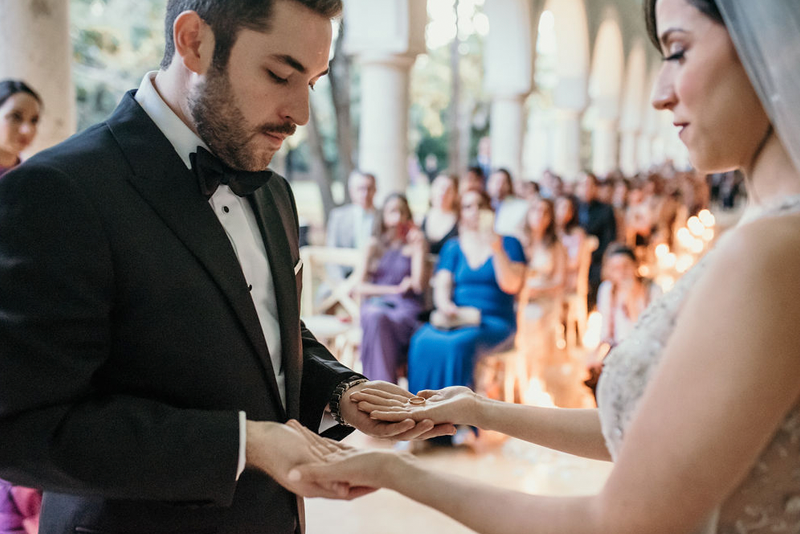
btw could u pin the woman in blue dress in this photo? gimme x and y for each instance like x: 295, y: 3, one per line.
x: 476, y: 270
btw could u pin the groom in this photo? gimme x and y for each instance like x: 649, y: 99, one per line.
x: 150, y: 342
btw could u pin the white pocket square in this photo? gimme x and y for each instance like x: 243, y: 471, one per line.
x: 298, y: 266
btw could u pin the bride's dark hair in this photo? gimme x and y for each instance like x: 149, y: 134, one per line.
x: 707, y: 7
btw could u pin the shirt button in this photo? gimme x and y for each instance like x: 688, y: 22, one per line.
x: 250, y: 287
x: 225, y: 209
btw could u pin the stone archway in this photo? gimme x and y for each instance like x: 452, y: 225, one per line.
x: 605, y: 92
x: 633, y: 108
x: 570, y: 96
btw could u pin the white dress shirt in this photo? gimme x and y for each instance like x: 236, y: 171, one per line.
x: 239, y: 222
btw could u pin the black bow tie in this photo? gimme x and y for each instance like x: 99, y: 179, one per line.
x: 211, y: 172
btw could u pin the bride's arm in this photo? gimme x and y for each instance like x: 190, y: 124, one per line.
x: 569, y: 430
x: 727, y: 379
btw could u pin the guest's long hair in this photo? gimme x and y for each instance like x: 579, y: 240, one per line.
x: 9, y: 88
x: 379, y: 228
x: 573, y: 221
x: 550, y: 236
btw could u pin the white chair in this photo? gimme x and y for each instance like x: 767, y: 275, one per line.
x: 333, y: 318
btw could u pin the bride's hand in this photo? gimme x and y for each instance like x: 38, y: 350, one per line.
x: 360, y: 471
x: 449, y: 406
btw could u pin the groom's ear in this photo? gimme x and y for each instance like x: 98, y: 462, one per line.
x: 194, y: 42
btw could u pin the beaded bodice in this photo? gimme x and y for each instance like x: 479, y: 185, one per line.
x: 768, y: 501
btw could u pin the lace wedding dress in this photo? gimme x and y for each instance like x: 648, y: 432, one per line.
x: 768, y: 501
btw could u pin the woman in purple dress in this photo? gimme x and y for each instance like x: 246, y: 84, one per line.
x: 19, y: 117
x: 395, y: 278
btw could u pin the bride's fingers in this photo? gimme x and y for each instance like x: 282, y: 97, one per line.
x: 376, y: 399
x: 427, y: 393
x: 383, y: 394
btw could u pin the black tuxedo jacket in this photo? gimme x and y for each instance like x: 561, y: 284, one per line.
x: 129, y: 341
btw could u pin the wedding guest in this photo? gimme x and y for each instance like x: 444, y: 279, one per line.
x: 350, y: 226
x: 472, y: 180
x: 540, y: 302
x: 477, y: 271
x: 441, y: 222
x: 20, y: 107
x: 510, y: 211
x: 395, y: 278
x: 572, y: 237
x: 597, y: 219
x: 623, y: 295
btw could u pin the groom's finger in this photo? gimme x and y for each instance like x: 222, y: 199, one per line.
x: 375, y: 399
x: 366, y: 406
x: 391, y: 430
x: 383, y: 393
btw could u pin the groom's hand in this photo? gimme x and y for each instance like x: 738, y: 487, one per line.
x: 400, y: 430
x: 276, y: 449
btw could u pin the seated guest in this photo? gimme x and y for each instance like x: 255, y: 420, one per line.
x: 541, y: 296
x: 441, y: 221
x: 623, y: 295
x: 394, y: 279
x: 597, y: 219
x: 510, y: 211
x: 350, y: 226
x: 572, y: 237
x: 619, y: 202
x: 477, y: 278
x: 19, y: 118
x: 473, y: 180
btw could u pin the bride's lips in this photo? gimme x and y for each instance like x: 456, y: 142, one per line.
x: 681, y: 127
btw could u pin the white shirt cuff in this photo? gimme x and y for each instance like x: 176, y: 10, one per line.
x: 242, y: 444
x: 327, y: 420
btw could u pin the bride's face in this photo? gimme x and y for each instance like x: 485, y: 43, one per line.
x: 704, y: 84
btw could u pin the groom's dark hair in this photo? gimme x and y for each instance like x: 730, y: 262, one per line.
x: 228, y: 17
x: 706, y: 7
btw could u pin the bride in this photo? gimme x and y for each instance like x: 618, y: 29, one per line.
x: 699, y: 407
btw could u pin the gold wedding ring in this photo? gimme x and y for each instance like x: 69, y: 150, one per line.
x: 417, y: 401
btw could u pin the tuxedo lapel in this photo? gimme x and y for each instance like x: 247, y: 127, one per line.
x: 162, y: 179
x: 274, y: 215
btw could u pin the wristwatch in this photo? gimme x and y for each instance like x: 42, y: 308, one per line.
x: 338, y: 393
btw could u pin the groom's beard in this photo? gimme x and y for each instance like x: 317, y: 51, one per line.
x: 222, y: 125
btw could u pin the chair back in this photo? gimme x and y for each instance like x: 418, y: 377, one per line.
x: 315, y: 259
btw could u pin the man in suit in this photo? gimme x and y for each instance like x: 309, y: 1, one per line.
x: 152, y: 360
x: 596, y: 218
x: 350, y: 226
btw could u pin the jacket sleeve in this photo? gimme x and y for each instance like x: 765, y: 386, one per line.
x: 61, y: 430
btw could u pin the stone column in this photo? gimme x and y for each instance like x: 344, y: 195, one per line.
x: 627, y: 153
x: 605, y: 146
x: 508, y: 78
x: 507, y: 131
x: 383, y: 138
x: 385, y: 37
x: 36, y: 48
x: 567, y: 143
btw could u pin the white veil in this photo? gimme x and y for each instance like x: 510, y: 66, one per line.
x: 766, y: 34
